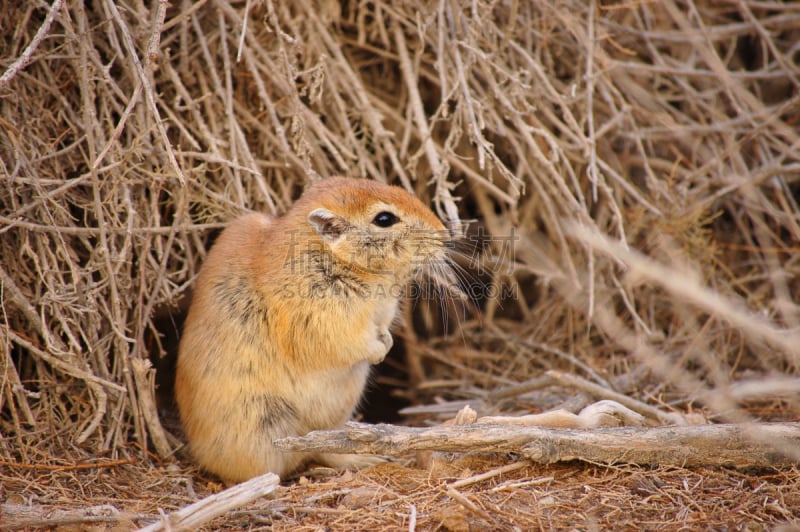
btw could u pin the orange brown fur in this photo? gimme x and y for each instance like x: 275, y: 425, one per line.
x: 287, y: 316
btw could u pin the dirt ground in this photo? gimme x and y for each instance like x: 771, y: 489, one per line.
x: 390, y: 496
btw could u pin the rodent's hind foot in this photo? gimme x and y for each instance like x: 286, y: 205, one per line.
x: 352, y: 462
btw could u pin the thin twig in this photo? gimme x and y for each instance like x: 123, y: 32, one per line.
x: 688, y: 288
x: 145, y: 79
x: 24, y: 58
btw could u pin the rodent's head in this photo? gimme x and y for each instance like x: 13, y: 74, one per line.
x: 377, y: 229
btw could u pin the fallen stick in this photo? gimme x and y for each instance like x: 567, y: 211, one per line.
x: 14, y: 516
x: 740, y: 445
x: 204, y: 510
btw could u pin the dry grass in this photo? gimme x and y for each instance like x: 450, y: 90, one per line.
x: 448, y: 496
x: 632, y: 171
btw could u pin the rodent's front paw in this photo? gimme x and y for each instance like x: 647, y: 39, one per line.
x: 386, y: 337
x: 380, y: 346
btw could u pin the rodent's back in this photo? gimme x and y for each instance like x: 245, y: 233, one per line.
x: 223, y: 355
x: 284, y: 322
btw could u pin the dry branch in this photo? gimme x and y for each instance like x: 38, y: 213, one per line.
x: 688, y: 287
x: 197, y: 514
x: 756, y: 445
x: 25, y: 57
x: 30, y: 517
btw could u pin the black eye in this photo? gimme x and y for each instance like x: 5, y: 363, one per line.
x: 385, y: 219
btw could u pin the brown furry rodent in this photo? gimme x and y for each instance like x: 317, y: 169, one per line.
x: 287, y: 316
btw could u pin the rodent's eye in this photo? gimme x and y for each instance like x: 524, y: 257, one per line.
x: 385, y: 219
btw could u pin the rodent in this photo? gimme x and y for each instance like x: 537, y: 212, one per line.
x: 287, y: 316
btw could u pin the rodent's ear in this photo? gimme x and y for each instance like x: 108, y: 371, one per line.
x: 328, y: 225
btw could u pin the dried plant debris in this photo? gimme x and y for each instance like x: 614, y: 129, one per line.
x: 462, y: 494
x: 625, y: 176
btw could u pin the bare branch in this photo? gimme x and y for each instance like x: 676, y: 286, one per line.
x: 197, y: 514
x: 754, y: 445
x: 25, y: 57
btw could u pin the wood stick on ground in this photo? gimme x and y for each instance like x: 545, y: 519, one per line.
x: 565, y: 379
x: 204, y: 510
x: 33, y: 516
x: 740, y: 445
